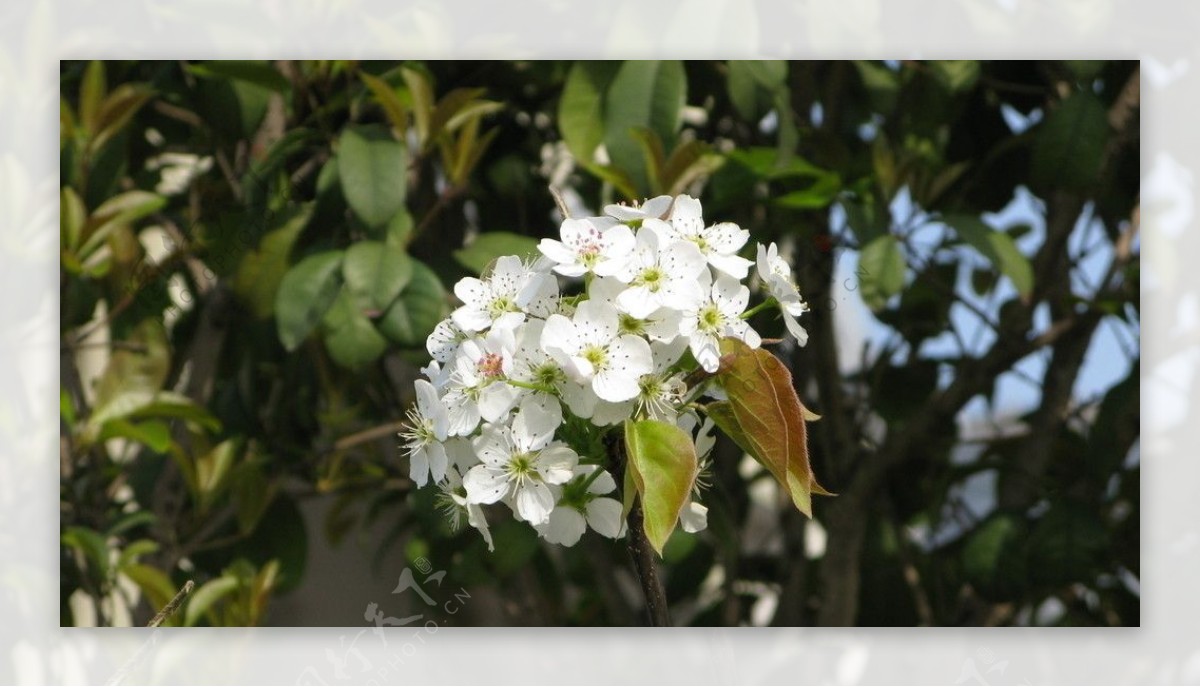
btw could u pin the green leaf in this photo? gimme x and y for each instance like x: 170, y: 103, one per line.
x: 136, y: 549
x: 91, y: 94
x: 305, y: 293
x: 819, y: 195
x: 212, y: 471
x: 133, y: 375
x: 131, y: 520
x: 206, y: 596
x: 881, y: 271
x: 648, y: 94
x: 494, y: 244
x: 956, y: 75
x: 1069, y: 146
x: 252, y: 493
x: 261, y: 270
x: 120, y: 210
x: 998, y: 247
x: 169, y: 404
x: 259, y: 73
x: 153, y: 434
x: 373, y: 168
x: 92, y: 545
x: 422, y: 304
x: 767, y: 164
x: 393, y: 107
x: 349, y: 336
x: 768, y: 418
x: 422, y: 101
x: 116, y: 111
x: 255, y: 183
x: 752, y: 85
x: 154, y: 583
x: 882, y: 84
x: 72, y: 216
x: 581, y: 107
x: 375, y: 273
x: 662, y: 460
x: 691, y: 160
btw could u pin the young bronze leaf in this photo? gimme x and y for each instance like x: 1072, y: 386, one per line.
x: 662, y: 461
x: 765, y: 417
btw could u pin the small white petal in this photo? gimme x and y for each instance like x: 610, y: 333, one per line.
x: 534, y: 503
x: 604, y: 516
x: 484, y: 485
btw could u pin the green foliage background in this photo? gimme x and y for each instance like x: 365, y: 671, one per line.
x: 241, y: 327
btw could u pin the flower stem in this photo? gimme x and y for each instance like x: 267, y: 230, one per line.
x: 530, y: 385
x: 769, y: 303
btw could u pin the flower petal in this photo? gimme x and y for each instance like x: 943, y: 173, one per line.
x: 484, y: 485
x: 604, y: 516
x: 534, y: 503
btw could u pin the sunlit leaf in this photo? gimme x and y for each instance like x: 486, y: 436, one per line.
x: 206, y: 596
x: 392, y: 106
x: 662, y: 460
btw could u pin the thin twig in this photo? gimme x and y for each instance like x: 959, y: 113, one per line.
x: 169, y: 610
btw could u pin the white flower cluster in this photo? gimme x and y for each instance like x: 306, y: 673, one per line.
x: 519, y: 361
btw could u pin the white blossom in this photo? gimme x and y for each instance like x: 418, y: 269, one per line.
x: 718, y: 243
x: 519, y: 461
x: 718, y: 316
x: 776, y: 275
x: 582, y: 504
x: 428, y: 426
x: 596, y: 244
x: 590, y: 350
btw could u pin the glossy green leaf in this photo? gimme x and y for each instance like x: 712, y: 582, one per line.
x: 768, y: 418
x: 649, y: 94
x: 375, y: 273
x: 306, y: 291
x: 581, y: 107
x: 351, y: 339
x: 373, y: 168
x: 1069, y: 146
x: 494, y: 244
x: 881, y: 271
x: 261, y: 270
x: 752, y: 85
x: 662, y: 460
x: 421, y: 305
x: 998, y: 247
